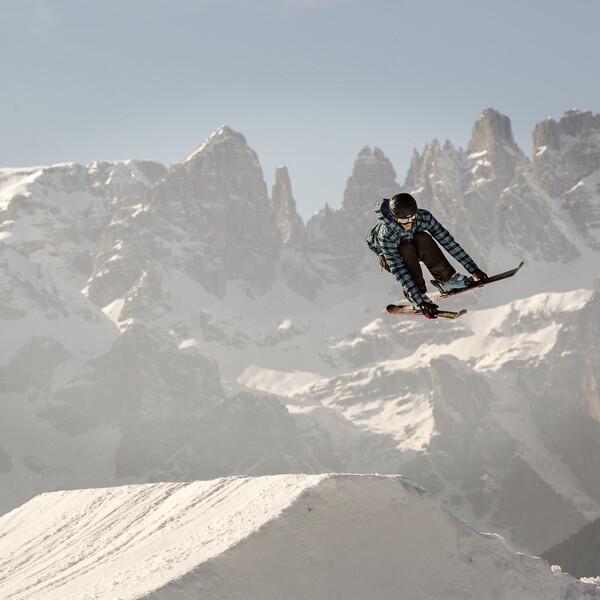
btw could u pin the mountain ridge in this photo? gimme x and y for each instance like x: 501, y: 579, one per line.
x: 206, y: 341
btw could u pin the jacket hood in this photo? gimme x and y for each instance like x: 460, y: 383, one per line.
x: 382, y: 209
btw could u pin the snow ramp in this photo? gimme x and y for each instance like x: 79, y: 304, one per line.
x: 280, y: 537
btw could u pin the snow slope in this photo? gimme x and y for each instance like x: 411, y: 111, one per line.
x: 285, y: 536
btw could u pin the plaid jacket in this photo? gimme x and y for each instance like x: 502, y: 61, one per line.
x: 386, y: 235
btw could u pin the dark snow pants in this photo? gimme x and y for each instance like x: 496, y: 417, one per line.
x: 424, y: 249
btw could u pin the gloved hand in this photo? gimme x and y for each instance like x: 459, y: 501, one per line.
x: 429, y: 309
x: 480, y: 275
x: 384, y: 263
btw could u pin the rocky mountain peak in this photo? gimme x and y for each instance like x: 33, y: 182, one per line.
x: 373, y: 177
x: 284, y: 207
x: 493, y: 153
x: 434, y: 175
x: 491, y: 130
x: 225, y: 164
x: 566, y: 164
x: 220, y: 135
x: 216, y: 205
x: 473, y: 193
x: 577, y: 122
x: 575, y: 139
x: 342, y: 232
x: 574, y: 123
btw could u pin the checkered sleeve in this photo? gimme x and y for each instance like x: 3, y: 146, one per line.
x: 389, y: 248
x: 453, y: 248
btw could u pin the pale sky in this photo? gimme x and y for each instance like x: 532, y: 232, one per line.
x: 308, y: 82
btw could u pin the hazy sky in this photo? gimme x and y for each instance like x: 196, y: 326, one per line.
x: 308, y: 82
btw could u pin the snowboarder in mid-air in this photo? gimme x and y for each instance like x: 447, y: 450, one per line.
x: 406, y: 235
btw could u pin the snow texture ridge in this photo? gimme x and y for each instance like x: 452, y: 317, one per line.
x: 285, y: 536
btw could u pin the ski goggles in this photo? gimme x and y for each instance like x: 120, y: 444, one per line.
x: 406, y: 220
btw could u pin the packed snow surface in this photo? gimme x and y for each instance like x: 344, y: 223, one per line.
x: 284, y: 536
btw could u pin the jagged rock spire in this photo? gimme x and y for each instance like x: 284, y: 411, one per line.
x: 284, y: 206
x: 342, y: 232
x: 566, y: 162
x: 373, y: 177
x: 494, y: 151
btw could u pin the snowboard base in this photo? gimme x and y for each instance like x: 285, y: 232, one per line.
x: 408, y: 309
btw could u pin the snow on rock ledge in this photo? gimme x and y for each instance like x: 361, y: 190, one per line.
x: 285, y: 536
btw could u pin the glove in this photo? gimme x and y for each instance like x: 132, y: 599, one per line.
x: 384, y: 264
x: 480, y: 275
x: 429, y: 309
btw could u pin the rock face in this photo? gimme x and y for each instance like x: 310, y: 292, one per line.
x: 566, y: 152
x: 214, y: 206
x: 566, y: 164
x: 283, y: 204
x: 571, y: 372
x: 340, y: 234
x: 227, y: 214
x: 179, y: 323
x: 530, y: 223
x: 463, y: 189
x: 494, y: 153
x: 488, y: 196
x: 61, y: 211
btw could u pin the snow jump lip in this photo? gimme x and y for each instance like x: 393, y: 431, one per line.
x: 281, y: 536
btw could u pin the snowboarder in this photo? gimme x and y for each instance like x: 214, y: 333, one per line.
x: 403, y: 237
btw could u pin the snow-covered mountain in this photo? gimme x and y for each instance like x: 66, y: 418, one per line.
x: 170, y: 324
x: 286, y: 536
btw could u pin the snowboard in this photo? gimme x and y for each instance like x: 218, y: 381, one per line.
x: 408, y: 309
x: 476, y: 284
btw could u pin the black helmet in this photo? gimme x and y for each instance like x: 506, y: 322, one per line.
x: 403, y: 206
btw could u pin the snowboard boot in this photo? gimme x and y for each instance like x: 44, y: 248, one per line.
x: 456, y: 282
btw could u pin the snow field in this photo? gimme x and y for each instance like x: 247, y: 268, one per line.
x: 284, y: 536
